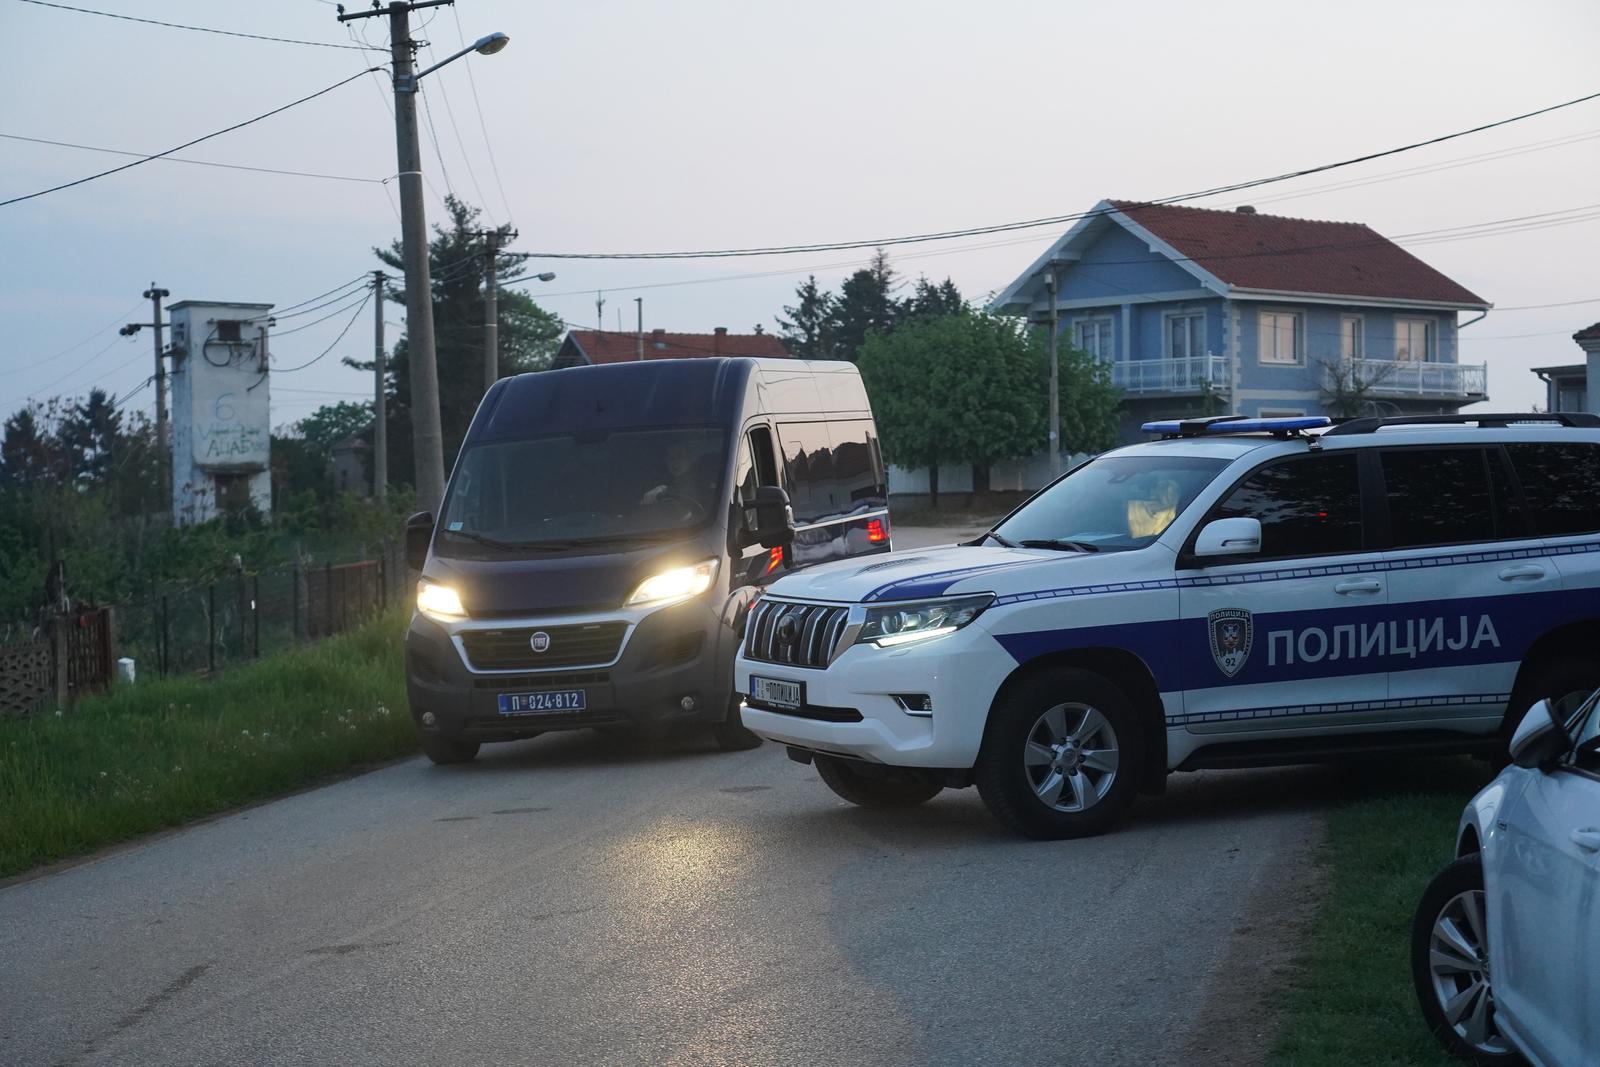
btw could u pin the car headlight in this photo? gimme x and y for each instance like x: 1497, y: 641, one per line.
x: 680, y: 583
x: 888, y: 625
x: 439, y: 601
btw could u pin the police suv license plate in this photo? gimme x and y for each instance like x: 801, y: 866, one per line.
x: 777, y: 692
x: 543, y: 703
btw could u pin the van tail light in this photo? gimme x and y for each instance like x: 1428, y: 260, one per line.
x: 877, y: 532
x: 774, y: 559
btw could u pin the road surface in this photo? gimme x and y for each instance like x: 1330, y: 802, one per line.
x: 578, y: 899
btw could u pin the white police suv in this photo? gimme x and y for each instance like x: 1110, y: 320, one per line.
x: 1241, y: 592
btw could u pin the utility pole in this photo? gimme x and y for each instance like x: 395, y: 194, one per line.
x: 380, y: 398
x: 491, y: 311
x: 1052, y: 283
x: 638, y: 305
x: 154, y: 295
x: 599, y: 312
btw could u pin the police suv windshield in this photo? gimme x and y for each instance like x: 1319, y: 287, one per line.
x: 1110, y: 504
x: 581, y: 489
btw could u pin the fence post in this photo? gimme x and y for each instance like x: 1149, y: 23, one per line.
x: 166, y: 637
x: 327, y: 599
x: 299, y: 576
x: 109, y: 671
x: 61, y: 653
x: 211, y: 627
x: 383, y: 579
x: 255, y: 615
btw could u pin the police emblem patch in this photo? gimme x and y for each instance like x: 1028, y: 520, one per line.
x: 1231, y: 632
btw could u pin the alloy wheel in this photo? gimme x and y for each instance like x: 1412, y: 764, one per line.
x: 1458, y: 963
x: 1071, y: 757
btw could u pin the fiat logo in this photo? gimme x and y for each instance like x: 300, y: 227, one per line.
x: 539, y: 642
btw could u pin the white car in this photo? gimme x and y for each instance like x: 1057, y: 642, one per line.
x: 1240, y: 592
x: 1505, y: 948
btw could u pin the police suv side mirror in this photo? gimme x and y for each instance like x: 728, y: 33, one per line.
x: 1540, y: 738
x: 774, y: 526
x: 1229, y: 537
x: 419, y: 533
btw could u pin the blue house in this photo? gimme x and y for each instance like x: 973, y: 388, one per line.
x: 1213, y: 312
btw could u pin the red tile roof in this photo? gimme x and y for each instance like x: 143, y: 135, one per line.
x: 1588, y: 333
x: 611, y: 347
x: 1254, y: 251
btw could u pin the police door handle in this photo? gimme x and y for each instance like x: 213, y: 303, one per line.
x: 1588, y: 840
x: 1525, y: 572
x: 1358, y: 585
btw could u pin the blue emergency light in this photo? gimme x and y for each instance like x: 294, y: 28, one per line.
x: 1230, y: 424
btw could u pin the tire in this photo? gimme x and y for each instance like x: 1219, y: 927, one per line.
x: 442, y: 750
x: 730, y: 732
x: 1449, y: 961
x: 1554, y: 678
x: 1061, y: 755
x: 875, y: 786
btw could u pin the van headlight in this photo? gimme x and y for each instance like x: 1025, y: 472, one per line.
x: 888, y: 625
x: 439, y: 601
x: 679, y: 583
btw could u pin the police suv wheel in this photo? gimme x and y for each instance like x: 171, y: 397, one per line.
x: 1061, y: 756
x: 448, y: 749
x: 1450, y: 966
x: 873, y: 786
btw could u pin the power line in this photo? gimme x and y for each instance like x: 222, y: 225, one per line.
x: 460, y: 144
x: 186, y: 144
x: 182, y: 26
x: 1561, y: 304
x: 482, y: 126
x: 335, y: 313
x: 1057, y: 220
x: 74, y: 371
x: 119, y: 320
x: 433, y: 136
x: 336, y: 340
x: 194, y: 162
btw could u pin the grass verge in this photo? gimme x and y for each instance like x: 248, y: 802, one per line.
x: 1351, y: 1001
x: 162, y: 753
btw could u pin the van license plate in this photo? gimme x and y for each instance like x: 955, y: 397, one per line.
x: 777, y: 692
x: 551, y: 700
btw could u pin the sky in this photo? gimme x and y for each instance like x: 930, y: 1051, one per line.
x: 632, y: 126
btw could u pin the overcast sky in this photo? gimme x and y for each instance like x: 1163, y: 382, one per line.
x: 655, y: 126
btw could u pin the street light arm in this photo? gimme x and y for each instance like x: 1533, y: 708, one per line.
x: 487, y: 45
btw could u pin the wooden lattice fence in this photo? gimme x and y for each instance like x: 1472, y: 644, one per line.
x: 27, y: 677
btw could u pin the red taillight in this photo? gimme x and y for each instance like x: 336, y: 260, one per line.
x: 774, y: 559
x: 876, y: 533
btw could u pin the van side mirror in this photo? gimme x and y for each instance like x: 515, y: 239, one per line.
x: 1229, y: 537
x: 1540, y: 738
x: 774, y: 526
x: 419, y: 534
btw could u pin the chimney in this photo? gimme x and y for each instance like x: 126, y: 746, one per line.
x: 658, y: 339
x: 1246, y: 209
x: 716, y: 340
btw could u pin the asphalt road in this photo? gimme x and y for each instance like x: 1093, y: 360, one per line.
x: 580, y: 899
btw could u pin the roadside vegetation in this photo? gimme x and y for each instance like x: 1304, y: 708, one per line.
x: 158, y: 754
x: 1351, y: 1001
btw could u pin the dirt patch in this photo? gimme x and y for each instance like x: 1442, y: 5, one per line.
x: 1239, y: 1016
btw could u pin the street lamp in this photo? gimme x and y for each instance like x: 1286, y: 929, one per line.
x: 546, y: 276
x: 484, y: 46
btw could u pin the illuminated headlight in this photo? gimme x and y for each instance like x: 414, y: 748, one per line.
x: 888, y: 625
x: 680, y: 583
x: 439, y: 601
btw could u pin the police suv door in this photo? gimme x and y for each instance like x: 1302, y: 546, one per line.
x: 1273, y: 643
x: 1467, y: 580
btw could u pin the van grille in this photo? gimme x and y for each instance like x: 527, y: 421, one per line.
x: 802, y: 635
x: 592, y: 644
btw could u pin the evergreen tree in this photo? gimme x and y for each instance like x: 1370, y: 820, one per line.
x: 929, y: 301
x: 27, y: 450
x: 89, y: 435
x: 866, y: 305
x: 808, y: 331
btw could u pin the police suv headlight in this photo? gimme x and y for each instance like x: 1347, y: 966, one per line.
x: 679, y: 583
x: 888, y: 625
x: 439, y: 601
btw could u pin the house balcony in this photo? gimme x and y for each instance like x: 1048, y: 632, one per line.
x: 1412, y: 379
x: 1190, y: 376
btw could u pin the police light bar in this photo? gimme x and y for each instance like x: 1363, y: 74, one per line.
x: 1231, y: 424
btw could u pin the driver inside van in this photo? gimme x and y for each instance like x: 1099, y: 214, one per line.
x: 686, y: 477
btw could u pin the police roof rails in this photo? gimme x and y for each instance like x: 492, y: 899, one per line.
x: 1218, y: 425
x: 1372, y: 424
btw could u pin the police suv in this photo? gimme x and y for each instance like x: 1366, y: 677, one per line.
x: 1240, y: 592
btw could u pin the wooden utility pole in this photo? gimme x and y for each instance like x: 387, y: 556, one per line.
x: 380, y: 397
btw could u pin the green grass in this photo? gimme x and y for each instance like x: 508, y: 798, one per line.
x: 1351, y: 1001
x: 161, y: 753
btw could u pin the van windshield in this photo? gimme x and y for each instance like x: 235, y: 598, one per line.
x: 586, y: 488
x: 1111, y: 503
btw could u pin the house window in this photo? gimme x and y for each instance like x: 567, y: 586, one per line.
x: 1093, y: 336
x: 1413, y: 339
x: 1282, y: 335
x: 1351, y: 343
x: 1185, y: 335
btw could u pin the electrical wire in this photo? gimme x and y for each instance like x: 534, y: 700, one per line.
x: 433, y: 136
x: 74, y: 347
x: 195, y: 162
x: 483, y: 127
x: 336, y: 340
x: 186, y: 144
x: 1057, y: 220
x: 335, y: 313
x: 450, y: 113
x: 182, y: 26
x: 75, y: 370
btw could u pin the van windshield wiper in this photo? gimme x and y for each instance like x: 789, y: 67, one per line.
x: 1004, y: 541
x: 1061, y: 543
x: 504, y: 546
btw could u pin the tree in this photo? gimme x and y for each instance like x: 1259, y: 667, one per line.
x: 971, y: 387
x: 89, y: 434
x: 808, y: 332
x: 529, y: 335
x: 931, y: 301
x: 27, y: 451
x: 1346, y: 393
x: 865, y: 305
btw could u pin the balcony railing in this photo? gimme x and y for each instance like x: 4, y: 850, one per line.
x: 1171, y: 377
x: 1415, y: 378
